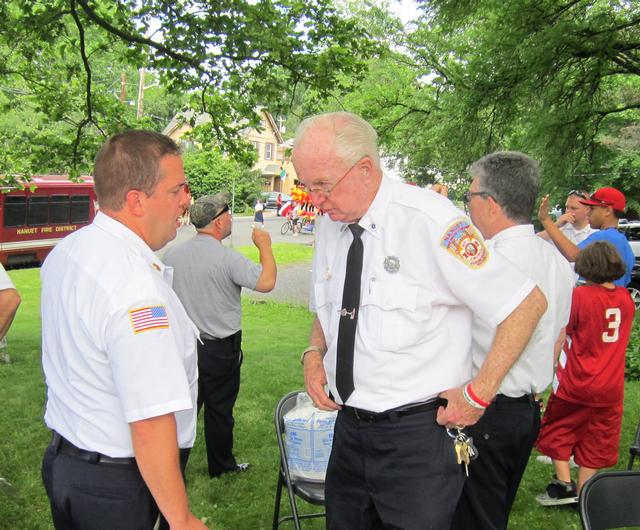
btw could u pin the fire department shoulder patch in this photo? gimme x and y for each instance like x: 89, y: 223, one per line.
x: 463, y: 241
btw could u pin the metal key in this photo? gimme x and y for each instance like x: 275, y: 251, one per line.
x: 464, y: 448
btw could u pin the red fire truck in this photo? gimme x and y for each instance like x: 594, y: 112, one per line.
x: 34, y: 219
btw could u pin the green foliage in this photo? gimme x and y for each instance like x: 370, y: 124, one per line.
x: 632, y: 369
x: 61, y: 61
x: 556, y: 80
x: 209, y: 171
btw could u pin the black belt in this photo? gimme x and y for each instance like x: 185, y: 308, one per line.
x: 63, y: 446
x: 235, y: 336
x: 501, y: 399
x: 392, y: 414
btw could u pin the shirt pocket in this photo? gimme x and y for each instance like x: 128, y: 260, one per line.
x: 326, y: 306
x: 389, y: 315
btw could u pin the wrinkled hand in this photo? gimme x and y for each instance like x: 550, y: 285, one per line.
x: 260, y: 238
x: 442, y: 189
x: 314, y: 380
x: 457, y: 413
x: 543, y: 211
x: 566, y: 218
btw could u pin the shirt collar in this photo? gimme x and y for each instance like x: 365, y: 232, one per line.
x: 133, y: 240
x: 514, y: 231
x: 373, y: 217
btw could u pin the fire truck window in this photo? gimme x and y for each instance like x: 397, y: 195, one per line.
x: 38, y: 213
x: 15, y: 211
x: 79, y: 208
x: 59, y: 209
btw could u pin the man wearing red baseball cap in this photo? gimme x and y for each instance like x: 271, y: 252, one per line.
x: 607, y: 206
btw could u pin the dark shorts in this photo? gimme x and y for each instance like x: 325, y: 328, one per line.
x: 591, y: 434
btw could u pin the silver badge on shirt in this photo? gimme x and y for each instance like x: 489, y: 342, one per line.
x: 392, y: 264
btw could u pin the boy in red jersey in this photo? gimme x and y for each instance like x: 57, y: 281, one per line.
x: 584, y: 412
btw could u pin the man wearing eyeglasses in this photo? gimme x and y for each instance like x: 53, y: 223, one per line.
x: 208, y: 278
x: 392, y: 339
x: 574, y: 222
x: 607, y: 206
x: 501, y: 201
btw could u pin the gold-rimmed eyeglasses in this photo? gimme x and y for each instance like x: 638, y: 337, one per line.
x: 326, y: 189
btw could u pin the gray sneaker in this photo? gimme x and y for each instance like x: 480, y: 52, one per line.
x: 558, y: 493
x: 544, y: 459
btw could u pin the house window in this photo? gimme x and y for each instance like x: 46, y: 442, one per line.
x: 268, y: 151
x: 257, y: 146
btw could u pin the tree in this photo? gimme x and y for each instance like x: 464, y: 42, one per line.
x: 209, y: 171
x: 559, y: 80
x: 229, y: 56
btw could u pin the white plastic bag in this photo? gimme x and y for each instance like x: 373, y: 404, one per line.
x: 308, y: 437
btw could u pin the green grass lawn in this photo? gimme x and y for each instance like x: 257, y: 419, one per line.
x: 274, y: 336
x: 284, y: 253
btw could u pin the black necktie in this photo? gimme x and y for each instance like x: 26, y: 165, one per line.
x: 349, y: 315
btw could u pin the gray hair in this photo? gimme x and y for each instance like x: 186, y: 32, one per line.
x: 512, y: 179
x: 130, y: 160
x: 353, y: 137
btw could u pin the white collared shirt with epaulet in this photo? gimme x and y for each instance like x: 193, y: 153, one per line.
x: 426, y: 270
x: 117, y: 345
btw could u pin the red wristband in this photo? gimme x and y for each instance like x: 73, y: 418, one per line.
x: 475, y: 398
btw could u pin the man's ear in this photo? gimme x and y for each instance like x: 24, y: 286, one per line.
x: 134, y: 202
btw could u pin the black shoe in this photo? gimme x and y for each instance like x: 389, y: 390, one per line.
x: 558, y: 493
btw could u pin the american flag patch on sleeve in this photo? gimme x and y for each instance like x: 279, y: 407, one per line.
x: 146, y: 318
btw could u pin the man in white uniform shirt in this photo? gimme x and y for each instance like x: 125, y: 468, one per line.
x: 501, y: 201
x: 119, y: 352
x: 425, y: 269
x: 574, y: 222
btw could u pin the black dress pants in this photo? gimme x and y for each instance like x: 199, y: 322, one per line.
x: 504, y: 437
x: 393, y: 474
x: 219, y: 363
x: 96, y: 496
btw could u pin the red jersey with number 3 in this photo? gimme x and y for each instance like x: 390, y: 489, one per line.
x: 591, y: 366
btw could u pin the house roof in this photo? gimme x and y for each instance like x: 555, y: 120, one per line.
x: 185, y: 116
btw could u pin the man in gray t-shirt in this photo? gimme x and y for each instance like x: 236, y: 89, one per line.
x: 208, y: 279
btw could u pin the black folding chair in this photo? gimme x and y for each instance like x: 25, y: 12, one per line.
x: 611, y: 500
x: 311, y: 492
x: 634, y: 450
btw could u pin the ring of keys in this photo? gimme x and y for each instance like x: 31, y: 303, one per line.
x: 464, y: 448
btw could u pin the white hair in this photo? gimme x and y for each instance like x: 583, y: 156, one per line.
x: 353, y: 137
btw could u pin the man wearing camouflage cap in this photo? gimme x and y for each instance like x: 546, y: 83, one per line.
x: 208, y: 279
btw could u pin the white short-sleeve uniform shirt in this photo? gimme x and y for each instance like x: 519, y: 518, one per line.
x: 5, y: 281
x: 117, y: 345
x: 425, y: 271
x: 533, y: 371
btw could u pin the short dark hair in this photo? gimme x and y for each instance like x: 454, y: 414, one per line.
x: 600, y: 262
x: 512, y: 179
x: 130, y: 160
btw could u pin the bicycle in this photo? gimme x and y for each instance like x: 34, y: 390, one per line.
x: 286, y: 227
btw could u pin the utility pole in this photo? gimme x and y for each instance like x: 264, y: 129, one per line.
x: 123, y: 87
x: 140, y: 110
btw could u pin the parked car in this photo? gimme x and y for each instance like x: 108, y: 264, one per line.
x: 631, y: 230
x: 270, y: 199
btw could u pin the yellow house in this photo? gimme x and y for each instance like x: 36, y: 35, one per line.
x: 274, y: 160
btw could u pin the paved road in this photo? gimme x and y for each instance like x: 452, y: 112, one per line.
x: 292, y: 285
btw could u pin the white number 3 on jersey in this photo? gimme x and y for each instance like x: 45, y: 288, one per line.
x: 613, y: 318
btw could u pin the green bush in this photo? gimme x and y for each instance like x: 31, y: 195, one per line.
x: 632, y: 371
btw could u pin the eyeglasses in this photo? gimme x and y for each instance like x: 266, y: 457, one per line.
x: 326, y: 189
x: 470, y: 194
x: 579, y: 193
